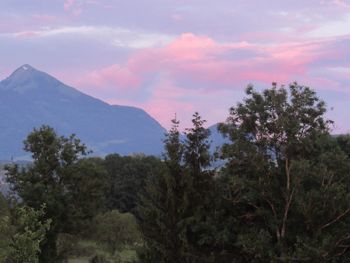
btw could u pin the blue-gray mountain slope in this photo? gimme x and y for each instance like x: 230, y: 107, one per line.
x: 30, y: 98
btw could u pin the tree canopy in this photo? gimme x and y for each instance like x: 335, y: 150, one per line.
x: 281, y: 194
x: 288, y: 178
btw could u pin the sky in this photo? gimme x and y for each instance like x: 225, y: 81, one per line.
x: 180, y: 56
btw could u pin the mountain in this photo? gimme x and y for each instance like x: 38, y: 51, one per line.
x: 216, y: 138
x: 30, y: 98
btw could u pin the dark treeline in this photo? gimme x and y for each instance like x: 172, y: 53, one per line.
x: 281, y: 195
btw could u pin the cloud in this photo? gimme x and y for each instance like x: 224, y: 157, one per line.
x: 177, y: 17
x: 167, y: 100
x: 115, y: 36
x: 68, y: 4
x: 44, y: 18
x: 338, y: 27
x: 341, y: 3
x: 200, y: 59
x: 124, y: 54
x: 114, y: 77
x: 76, y: 7
x: 186, y: 74
x: 73, y: 6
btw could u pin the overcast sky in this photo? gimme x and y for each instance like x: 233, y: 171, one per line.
x: 181, y: 56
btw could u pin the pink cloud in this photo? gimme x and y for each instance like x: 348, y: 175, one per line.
x: 73, y: 6
x: 177, y: 17
x: 44, y: 18
x: 27, y: 34
x: 68, y: 4
x: 198, y: 68
x: 112, y: 77
x: 201, y: 59
x: 166, y: 101
x: 76, y: 7
x: 341, y: 3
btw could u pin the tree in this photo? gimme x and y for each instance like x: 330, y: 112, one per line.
x: 116, y: 230
x: 27, y: 232
x: 43, y: 182
x: 196, y: 148
x: 85, y: 183
x: 197, y: 160
x: 164, y: 207
x: 288, y: 180
x: 25, y: 243
x: 126, y: 179
x: 344, y: 143
x: 5, y: 228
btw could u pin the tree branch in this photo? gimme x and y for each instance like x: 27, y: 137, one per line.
x: 335, y: 219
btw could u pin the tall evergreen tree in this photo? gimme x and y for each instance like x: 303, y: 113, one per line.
x: 196, y: 147
x: 197, y: 160
x: 164, y: 207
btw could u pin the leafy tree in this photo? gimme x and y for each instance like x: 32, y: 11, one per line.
x: 4, y: 209
x: 27, y: 233
x: 5, y: 227
x: 116, y: 230
x: 344, y: 143
x: 25, y: 243
x: 287, y: 179
x: 164, y: 207
x: 126, y: 178
x: 44, y: 181
x: 85, y: 183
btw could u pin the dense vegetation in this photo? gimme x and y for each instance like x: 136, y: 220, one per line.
x: 281, y: 195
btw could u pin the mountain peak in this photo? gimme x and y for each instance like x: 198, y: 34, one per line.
x: 24, y: 68
x: 23, y: 72
x: 27, y: 78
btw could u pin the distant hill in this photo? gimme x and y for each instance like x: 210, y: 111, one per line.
x: 30, y: 98
x: 216, y: 138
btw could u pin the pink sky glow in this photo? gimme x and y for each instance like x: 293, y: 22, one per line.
x: 182, y: 56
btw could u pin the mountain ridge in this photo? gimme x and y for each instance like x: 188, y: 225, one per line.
x: 30, y: 98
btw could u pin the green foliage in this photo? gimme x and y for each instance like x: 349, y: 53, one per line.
x: 197, y: 161
x: 287, y: 179
x: 4, y: 209
x: 196, y: 147
x: 6, y: 232
x: 6, y: 228
x: 164, y: 208
x: 282, y: 196
x: 99, y: 259
x: 116, y: 230
x: 126, y: 177
x: 85, y: 183
x: 27, y: 234
x: 177, y: 210
x: 45, y: 181
x: 344, y: 143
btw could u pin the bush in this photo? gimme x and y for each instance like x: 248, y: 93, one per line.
x: 116, y: 230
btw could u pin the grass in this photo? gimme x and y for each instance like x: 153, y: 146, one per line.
x: 79, y: 260
x: 127, y: 255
